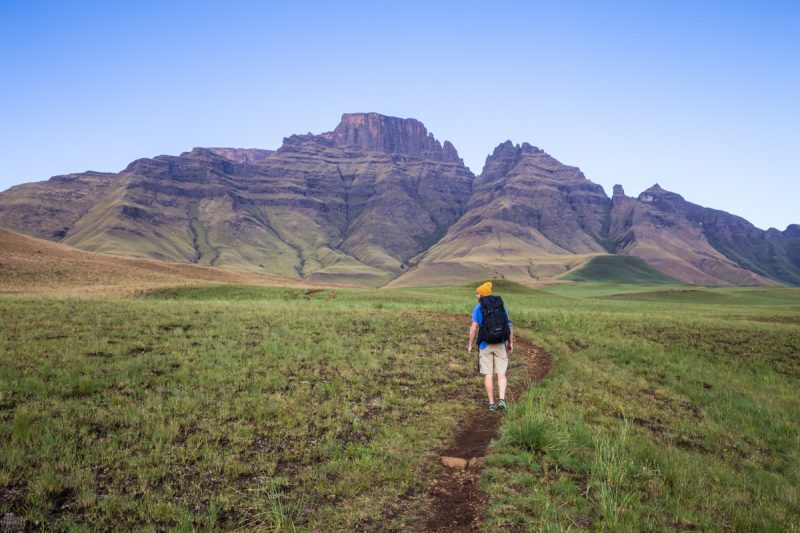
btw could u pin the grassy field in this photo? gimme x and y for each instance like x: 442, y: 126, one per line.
x: 228, y: 407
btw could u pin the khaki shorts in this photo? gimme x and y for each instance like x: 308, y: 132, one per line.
x: 494, y: 358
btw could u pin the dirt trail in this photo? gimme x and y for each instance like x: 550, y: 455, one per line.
x: 457, y: 504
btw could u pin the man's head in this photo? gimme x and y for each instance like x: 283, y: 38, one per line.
x: 484, y: 290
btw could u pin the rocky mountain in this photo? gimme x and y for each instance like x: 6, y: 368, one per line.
x: 531, y: 217
x: 353, y: 204
x: 379, y: 199
x: 700, y: 245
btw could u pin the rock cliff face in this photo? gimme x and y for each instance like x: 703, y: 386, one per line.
x: 371, y: 132
x: 380, y: 199
x: 241, y: 155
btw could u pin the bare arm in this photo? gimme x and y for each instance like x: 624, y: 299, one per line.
x: 473, y: 331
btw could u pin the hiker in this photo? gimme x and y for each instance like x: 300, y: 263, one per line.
x: 495, y: 339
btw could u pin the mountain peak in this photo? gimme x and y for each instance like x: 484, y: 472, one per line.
x: 508, y: 155
x: 374, y: 132
x: 528, y: 148
x: 792, y: 230
x: 509, y: 149
x: 661, y: 196
x: 505, y: 148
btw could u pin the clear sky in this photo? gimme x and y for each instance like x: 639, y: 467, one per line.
x: 701, y: 97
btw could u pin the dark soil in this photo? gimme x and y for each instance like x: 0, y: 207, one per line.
x: 457, y: 504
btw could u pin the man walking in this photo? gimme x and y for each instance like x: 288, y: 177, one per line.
x: 491, y: 324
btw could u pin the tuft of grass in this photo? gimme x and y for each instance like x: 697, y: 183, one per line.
x: 529, y: 434
x: 611, y: 476
x: 273, y: 512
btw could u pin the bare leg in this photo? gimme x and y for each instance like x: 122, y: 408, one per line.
x: 501, y: 384
x: 488, y: 382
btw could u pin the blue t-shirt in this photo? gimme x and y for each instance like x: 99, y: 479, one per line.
x: 477, y: 316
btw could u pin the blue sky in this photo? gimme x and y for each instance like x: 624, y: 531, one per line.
x: 701, y: 97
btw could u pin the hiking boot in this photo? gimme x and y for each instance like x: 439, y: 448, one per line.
x: 492, y: 407
x: 502, y: 404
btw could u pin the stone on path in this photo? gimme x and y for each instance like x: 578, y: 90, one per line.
x: 454, y: 462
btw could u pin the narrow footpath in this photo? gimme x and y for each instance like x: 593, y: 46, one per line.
x: 457, y: 504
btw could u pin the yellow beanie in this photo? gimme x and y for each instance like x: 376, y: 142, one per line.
x: 485, y: 289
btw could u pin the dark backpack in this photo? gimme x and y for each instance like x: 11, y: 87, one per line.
x: 494, y: 325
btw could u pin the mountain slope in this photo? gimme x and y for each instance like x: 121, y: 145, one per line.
x: 32, y: 265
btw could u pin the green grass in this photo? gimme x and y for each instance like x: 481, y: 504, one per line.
x: 618, y: 269
x: 287, y: 409
x: 659, y: 415
x: 256, y: 413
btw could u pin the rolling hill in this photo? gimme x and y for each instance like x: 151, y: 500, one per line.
x: 35, y: 266
x: 618, y: 269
